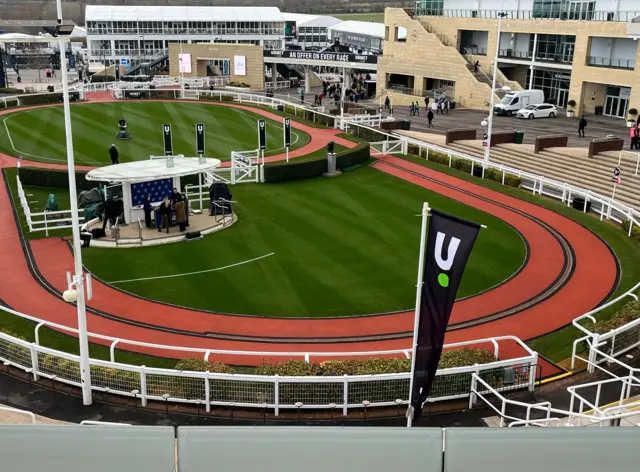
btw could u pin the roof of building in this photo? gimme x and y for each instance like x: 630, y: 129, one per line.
x: 16, y: 36
x: 366, y: 28
x: 305, y: 20
x: 166, y: 13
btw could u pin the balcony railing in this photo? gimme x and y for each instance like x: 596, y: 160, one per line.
x: 475, y: 50
x: 610, y: 63
x: 511, y: 54
x: 98, y: 53
x: 560, y: 14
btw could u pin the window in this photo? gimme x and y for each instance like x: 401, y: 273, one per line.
x: 431, y: 7
x: 515, y: 101
x: 554, y: 48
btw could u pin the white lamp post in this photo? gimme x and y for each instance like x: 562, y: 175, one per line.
x: 78, y: 276
x: 501, y: 14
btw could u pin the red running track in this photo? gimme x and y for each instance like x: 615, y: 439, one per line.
x: 594, y: 276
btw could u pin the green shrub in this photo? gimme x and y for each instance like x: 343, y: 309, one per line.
x: 53, y: 178
x: 635, y: 231
x: 353, y: 156
x: 40, y: 99
x: 198, y: 364
x: 462, y: 165
x: 627, y: 314
x: 162, y: 94
x: 213, y: 97
x: 11, y: 91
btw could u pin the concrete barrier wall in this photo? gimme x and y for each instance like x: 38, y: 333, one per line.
x: 602, y: 145
x: 504, y: 137
x: 544, y: 142
x: 454, y: 135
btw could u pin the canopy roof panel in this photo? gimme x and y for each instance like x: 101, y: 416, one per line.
x: 167, y: 13
x: 152, y: 169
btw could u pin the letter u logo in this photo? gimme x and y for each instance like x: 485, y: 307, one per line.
x: 166, y: 129
x: 445, y: 264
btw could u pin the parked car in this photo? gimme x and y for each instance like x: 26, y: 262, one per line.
x: 514, y: 101
x: 544, y: 110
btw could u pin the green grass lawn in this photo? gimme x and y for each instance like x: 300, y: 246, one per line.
x: 39, y: 134
x: 339, y: 246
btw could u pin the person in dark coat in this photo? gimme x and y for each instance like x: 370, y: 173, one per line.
x: 387, y: 103
x: 430, y: 117
x: 426, y: 103
x: 165, y: 210
x: 113, y: 154
x: 181, y: 215
x: 581, y: 126
x: 148, y: 208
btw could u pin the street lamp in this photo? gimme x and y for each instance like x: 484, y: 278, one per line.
x: 78, y: 276
x: 501, y: 15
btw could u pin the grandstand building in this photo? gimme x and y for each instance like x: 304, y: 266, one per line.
x: 128, y: 35
x: 582, y: 51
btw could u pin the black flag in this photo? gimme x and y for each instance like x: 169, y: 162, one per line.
x: 262, y: 134
x: 200, y: 138
x: 449, y: 244
x: 287, y: 132
x: 168, y: 142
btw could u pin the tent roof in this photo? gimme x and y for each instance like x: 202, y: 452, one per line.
x: 302, y: 19
x: 366, y: 28
x: 167, y: 13
x: 152, y: 169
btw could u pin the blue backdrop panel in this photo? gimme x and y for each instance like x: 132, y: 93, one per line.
x: 158, y: 189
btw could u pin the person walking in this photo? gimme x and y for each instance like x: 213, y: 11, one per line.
x: 387, y: 103
x: 416, y: 109
x: 426, y: 104
x: 114, y: 155
x: 430, y: 118
x: 446, y: 105
x: 582, y: 124
x: 476, y: 67
x: 439, y: 109
x: 411, y: 109
x: 637, y: 136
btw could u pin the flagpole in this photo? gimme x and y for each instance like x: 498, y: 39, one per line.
x: 416, y: 322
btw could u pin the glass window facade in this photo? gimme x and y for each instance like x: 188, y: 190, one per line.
x: 554, y: 48
x: 431, y: 7
x: 555, y: 85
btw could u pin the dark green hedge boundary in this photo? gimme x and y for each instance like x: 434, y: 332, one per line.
x: 315, y: 167
x: 53, y: 178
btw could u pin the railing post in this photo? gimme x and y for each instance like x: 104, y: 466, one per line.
x: 345, y: 395
x: 449, y: 159
x: 276, y: 395
x: 503, y: 174
x: 405, y: 147
x: 37, y: 332
x: 474, y: 387
x: 207, y: 392
x: 112, y: 350
x: 34, y: 360
x: 532, y: 373
x: 143, y: 386
x: 46, y: 228
x: 592, y: 353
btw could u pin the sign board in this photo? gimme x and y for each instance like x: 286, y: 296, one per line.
x: 262, y: 134
x: 200, y: 138
x: 240, y: 65
x: 168, y: 141
x: 124, y: 62
x: 290, y: 30
x: 615, y: 180
x: 184, y: 61
x: 323, y: 56
x: 287, y: 132
x: 616, y: 172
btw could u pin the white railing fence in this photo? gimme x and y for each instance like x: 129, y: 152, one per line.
x: 616, y: 342
x: 279, y: 85
x: 259, y: 391
x: 382, y: 148
x: 44, y: 220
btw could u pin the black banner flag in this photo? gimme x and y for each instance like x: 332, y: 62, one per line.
x: 200, y: 138
x: 168, y: 141
x: 262, y: 134
x: 287, y: 132
x: 449, y: 244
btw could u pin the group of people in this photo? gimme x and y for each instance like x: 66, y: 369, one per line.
x: 164, y: 213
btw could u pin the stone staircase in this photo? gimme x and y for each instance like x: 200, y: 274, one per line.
x: 569, y: 165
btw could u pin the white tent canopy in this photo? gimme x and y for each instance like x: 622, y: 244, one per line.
x: 153, y: 169
x: 191, y: 13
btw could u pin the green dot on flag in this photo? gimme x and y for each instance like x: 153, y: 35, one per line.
x: 443, y: 280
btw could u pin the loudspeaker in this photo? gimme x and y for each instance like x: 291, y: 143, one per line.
x: 193, y: 235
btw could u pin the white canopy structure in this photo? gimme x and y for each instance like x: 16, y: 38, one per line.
x: 153, y: 169
x: 142, y: 177
x: 190, y: 13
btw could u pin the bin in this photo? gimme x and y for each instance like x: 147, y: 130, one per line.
x: 518, y: 137
x: 406, y: 125
x: 452, y: 105
x: 280, y: 107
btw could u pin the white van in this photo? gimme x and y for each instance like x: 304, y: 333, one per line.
x: 514, y: 101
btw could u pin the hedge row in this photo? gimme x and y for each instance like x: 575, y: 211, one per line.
x: 627, y: 314
x: 464, y: 165
x: 314, y: 167
x: 53, y: 178
x: 635, y: 231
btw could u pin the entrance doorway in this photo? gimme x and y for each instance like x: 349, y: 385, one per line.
x: 563, y: 98
x: 616, y: 102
